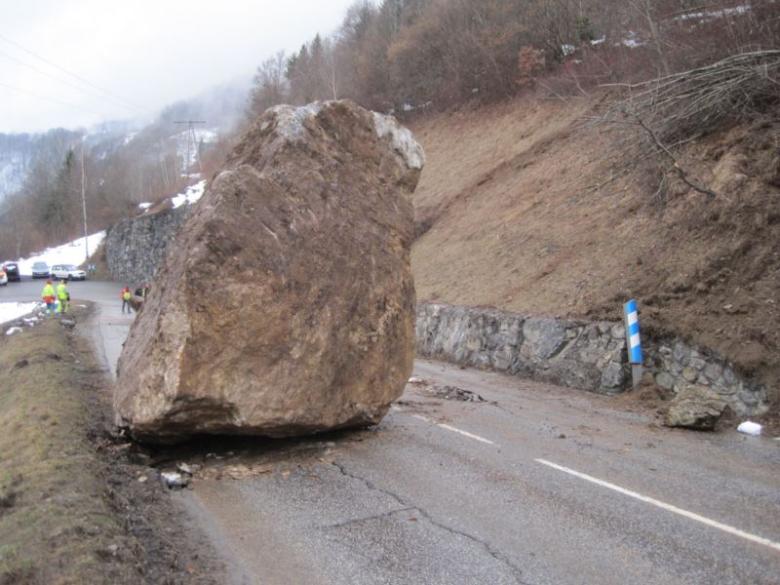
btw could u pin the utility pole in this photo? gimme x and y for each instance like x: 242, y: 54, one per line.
x: 84, y: 201
x: 191, y: 137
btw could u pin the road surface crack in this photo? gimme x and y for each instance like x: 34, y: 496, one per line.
x: 497, y: 555
x: 369, y: 518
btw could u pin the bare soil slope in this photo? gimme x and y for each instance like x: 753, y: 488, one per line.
x: 525, y: 207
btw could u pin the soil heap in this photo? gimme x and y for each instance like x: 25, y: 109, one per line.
x: 286, y: 304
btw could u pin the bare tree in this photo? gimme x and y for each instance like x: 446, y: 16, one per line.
x: 271, y: 86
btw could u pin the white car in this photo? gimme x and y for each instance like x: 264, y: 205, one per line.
x: 3, y: 278
x: 68, y: 271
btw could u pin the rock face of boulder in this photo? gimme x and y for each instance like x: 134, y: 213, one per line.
x: 286, y: 305
x: 695, y: 407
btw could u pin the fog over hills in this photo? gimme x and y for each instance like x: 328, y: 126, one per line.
x: 221, y: 108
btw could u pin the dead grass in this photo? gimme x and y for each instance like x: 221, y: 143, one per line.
x: 526, y: 208
x: 55, y: 523
x: 72, y: 510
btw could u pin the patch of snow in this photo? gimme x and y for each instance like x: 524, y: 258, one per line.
x: 631, y: 41
x: 144, y: 206
x: 13, y: 311
x: 13, y: 330
x: 190, y: 195
x: 568, y: 50
x: 290, y: 119
x: 402, y: 140
x: 70, y: 253
x: 596, y: 42
x: 714, y: 14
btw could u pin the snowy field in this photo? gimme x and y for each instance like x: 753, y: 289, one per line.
x: 70, y: 253
x: 12, y: 311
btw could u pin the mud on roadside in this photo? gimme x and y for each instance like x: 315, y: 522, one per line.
x: 74, y: 507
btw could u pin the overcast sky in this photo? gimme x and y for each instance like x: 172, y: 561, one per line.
x: 145, y: 52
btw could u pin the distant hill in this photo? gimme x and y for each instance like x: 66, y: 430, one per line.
x: 126, y: 163
x: 16, y: 152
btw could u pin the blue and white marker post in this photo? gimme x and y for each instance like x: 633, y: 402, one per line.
x: 634, y: 341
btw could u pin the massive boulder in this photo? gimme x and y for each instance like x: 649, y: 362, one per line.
x: 286, y: 305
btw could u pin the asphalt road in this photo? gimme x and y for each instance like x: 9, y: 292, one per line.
x: 536, y: 485
x: 110, y: 325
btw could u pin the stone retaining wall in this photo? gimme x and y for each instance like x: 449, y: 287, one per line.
x: 135, y: 247
x: 578, y: 354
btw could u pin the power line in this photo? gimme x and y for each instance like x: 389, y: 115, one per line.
x: 40, y: 97
x: 71, y: 74
x: 58, y: 79
x: 191, y: 136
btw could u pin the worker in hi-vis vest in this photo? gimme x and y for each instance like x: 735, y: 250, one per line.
x: 49, y: 297
x: 126, y: 296
x: 63, y: 296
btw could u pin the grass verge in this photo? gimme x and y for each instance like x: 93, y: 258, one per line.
x: 71, y: 507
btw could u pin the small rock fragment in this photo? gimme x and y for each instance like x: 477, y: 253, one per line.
x: 174, y: 480
x: 695, y: 407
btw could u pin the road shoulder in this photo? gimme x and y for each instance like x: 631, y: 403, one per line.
x: 72, y: 508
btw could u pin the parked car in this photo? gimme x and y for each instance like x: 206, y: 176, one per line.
x: 68, y: 271
x: 3, y: 277
x: 40, y: 270
x: 12, y: 271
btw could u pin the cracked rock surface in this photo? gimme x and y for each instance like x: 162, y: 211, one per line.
x: 286, y: 304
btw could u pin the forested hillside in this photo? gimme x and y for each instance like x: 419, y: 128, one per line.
x: 124, y: 164
x: 421, y: 55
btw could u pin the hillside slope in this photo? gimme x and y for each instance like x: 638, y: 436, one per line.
x: 525, y: 207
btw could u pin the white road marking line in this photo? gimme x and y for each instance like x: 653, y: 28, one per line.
x: 665, y: 506
x: 466, y: 434
x: 454, y: 430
